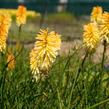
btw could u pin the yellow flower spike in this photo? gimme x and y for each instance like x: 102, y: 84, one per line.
x: 46, y: 48
x: 45, y: 51
x: 11, y: 65
x: 96, y: 15
x: 21, y: 15
x: 3, y: 30
x: 91, y: 37
x: 2, y: 44
x: 33, y: 65
x: 5, y: 22
x: 104, y: 27
x: 3, y: 35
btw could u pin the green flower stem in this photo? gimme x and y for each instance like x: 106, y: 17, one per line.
x: 81, y: 69
x: 19, y: 33
x: 102, y: 69
x: 103, y: 56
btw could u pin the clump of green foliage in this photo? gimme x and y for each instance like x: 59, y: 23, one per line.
x: 60, y: 18
x: 22, y: 91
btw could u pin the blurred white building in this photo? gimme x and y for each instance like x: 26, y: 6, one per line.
x: 63, y: 1
x: 62, y: 7
x: 21, y: 1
